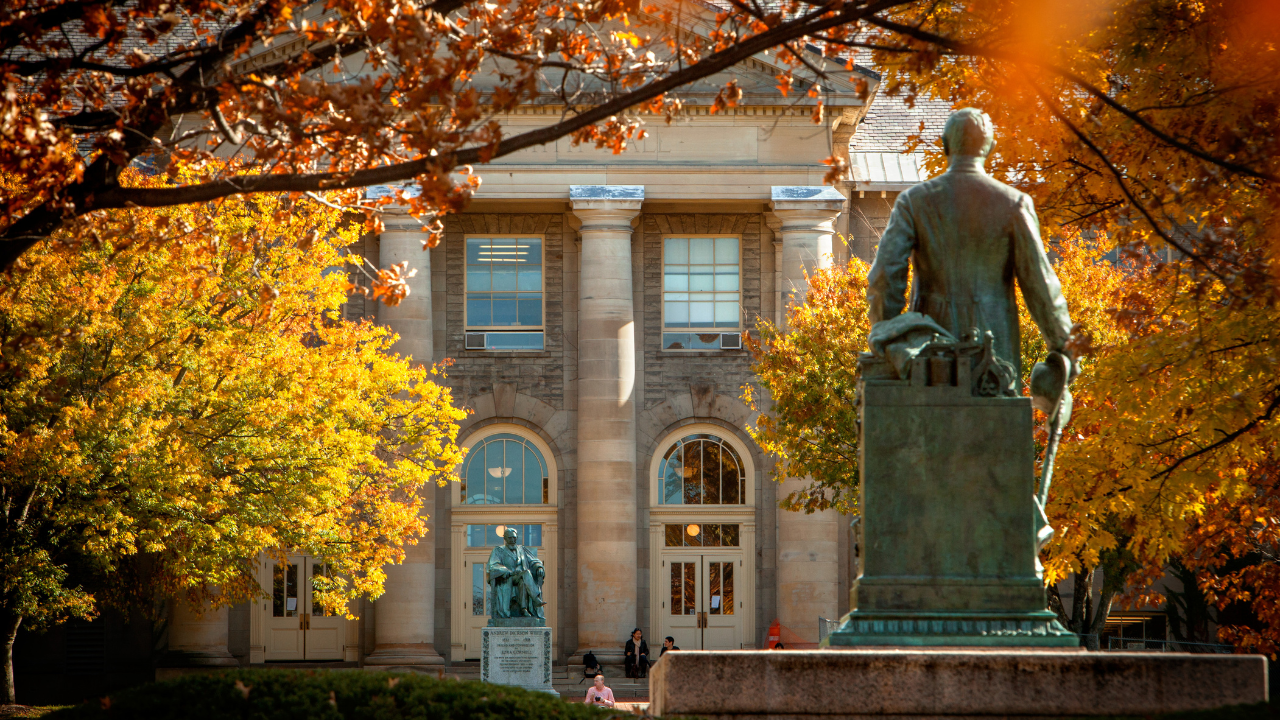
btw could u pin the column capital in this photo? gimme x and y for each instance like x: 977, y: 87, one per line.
x: 401, y: 222
x: 806, y: 206
x: 602, y: 207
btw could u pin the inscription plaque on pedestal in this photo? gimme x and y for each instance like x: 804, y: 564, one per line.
x: 519, y: 656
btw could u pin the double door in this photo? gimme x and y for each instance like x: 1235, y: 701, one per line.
x: 296, y: 627
x: 476, y: 606
x: 702, y: 609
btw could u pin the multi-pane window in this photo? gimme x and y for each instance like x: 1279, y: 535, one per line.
x: 701, y: 291
x: 702, y: 535
x: 505, y: 469
x: 504, y: 291
x: 491, y: 535
x: 702, y: 470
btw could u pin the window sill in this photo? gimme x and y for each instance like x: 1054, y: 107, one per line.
x: 504, y: 353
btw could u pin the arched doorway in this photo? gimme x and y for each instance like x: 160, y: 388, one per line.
x: 702, y: 527
x: 508, y: 479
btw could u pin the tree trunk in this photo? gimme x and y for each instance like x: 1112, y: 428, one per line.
x: 1081, y: 597
x: 1100, y: 617
x: 9, y: 623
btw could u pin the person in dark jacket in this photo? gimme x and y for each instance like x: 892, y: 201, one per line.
x: 637, y: 655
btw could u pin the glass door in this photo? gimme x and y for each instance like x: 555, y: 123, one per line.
x: 297, y: 627
x: 702, y: 611
x: 476, y: 606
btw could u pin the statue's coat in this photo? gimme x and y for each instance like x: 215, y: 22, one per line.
x: 505, y: 564
x: 970, y: 236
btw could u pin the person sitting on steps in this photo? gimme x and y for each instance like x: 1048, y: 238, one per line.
x: 668, y: 644
x: 637, y: 655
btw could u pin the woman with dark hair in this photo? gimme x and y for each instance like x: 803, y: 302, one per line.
x: 637, y: 659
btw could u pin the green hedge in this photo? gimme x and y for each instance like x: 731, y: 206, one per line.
x: 325, y: 695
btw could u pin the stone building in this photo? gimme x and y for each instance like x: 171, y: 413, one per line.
x: 593, y: 306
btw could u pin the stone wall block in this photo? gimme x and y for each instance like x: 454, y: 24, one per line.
x: 484, y: 408
x: 682, y: 403
x: 504, y: 398
x: 731, y: 410
x: 704, y: 397
x: 533, y: 410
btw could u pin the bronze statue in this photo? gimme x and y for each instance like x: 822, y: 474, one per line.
x: 515, y: 576
x: 967, y: 238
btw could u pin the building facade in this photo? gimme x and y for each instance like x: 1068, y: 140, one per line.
x: 593, y: 306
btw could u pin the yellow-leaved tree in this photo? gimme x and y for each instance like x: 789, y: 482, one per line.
x: 176, y: 410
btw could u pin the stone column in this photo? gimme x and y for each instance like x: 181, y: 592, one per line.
x: 606, y: 492
x: 198, y: 640
x: 808, y: 545
x: 405, y: 616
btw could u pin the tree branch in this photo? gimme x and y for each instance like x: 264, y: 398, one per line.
x: 89, y: 196
x: 969, y: 49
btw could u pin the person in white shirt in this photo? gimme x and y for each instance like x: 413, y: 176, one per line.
x: 598, y: 694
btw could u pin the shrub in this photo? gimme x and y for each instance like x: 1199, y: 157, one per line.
x: 324, y: 695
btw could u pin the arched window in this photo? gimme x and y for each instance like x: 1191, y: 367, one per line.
x: 504, y: 469
x: 702, y: 470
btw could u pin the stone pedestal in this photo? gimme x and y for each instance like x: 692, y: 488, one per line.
x: 861, y: 683
x: 949, y: 522
x: 519, y: 656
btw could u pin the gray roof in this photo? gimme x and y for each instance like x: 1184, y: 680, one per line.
x: 890, y: 122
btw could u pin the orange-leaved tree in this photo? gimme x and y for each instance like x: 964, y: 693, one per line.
x: 193, y: 403
x: 1180, y: 460
x: 1133, y: 114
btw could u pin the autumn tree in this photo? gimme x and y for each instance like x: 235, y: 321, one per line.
x: 192, y: 402
x: 807, y: 377
x: 1136, y: 115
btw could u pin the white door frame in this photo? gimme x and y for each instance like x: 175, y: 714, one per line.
x: 744, y: 516
x: 260, y: 616
x: 744, y: 580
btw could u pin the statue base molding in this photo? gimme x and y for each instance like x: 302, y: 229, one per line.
x: 517, y: 622
x: 517, y: 655
x: 948, y: 683
x: 1034, y: 629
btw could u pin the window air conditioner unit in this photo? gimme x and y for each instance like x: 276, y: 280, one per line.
x: 476, y: 341
x: 731, y: 341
